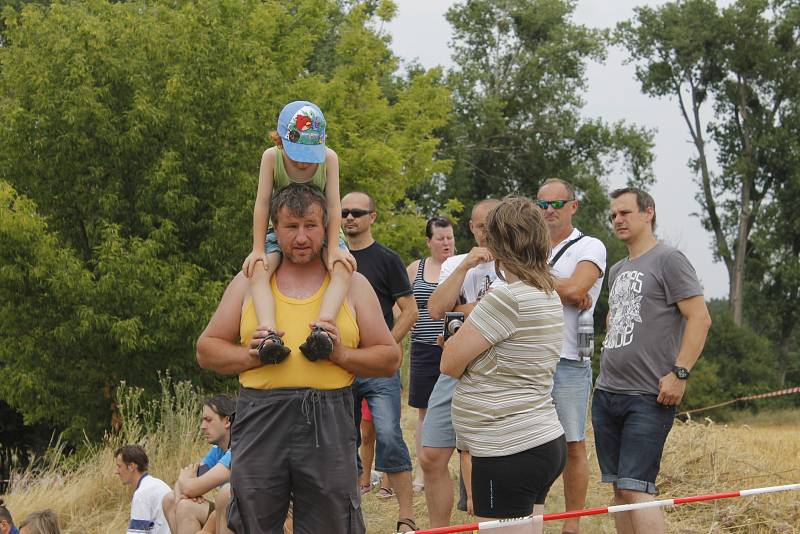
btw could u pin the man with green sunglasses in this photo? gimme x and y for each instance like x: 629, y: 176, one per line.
x: 578, y: 262
x: 555, y: 204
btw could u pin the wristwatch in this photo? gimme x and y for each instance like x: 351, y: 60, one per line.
x: 681, y: 372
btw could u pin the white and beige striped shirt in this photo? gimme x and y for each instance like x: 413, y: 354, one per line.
x: 502, y: 404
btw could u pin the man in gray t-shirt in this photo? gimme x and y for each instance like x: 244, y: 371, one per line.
x: 657, y: 326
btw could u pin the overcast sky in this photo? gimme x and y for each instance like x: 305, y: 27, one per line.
x: 420, y: 31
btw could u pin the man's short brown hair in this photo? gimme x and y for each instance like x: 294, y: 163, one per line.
x: 566, y: 184
x: 133, y: 454
x: 643, y: 200
x: 297, y: 198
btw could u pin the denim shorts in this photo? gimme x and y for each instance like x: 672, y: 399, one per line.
x: 629, y: 433
x: 572, y: 385
x: 383, y: 399
x: 437, y: 428
x: 271, y: 244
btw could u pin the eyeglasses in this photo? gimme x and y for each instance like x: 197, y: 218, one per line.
x: 557, y: 204
x: 356, y: 213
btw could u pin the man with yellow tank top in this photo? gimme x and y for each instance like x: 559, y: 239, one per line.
x: 294, y: 433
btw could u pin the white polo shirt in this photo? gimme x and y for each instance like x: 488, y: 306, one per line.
x: 147, y: 516
x: 587, y: 249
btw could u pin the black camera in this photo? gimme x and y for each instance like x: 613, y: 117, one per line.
x: 452, y: 322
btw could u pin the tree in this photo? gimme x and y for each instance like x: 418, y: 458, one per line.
x: 517, y: 83
x: 737, y: 361
x: 130, y: 142
x: 741, y: 62
x: 774, y: 271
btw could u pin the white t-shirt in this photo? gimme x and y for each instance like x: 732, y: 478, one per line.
x: 476, y: 281
x: 147, y: 516
x: 587, y: 249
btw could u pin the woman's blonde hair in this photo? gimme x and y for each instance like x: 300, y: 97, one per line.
x: 44, y: 522
x: 517, y: 237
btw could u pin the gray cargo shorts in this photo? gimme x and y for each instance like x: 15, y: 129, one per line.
x: 298, y: 445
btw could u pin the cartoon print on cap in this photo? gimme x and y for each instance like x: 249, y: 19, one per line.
x: 306, y: 127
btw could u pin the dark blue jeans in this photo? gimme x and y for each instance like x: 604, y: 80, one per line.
x: 383, y: 398
x: 629, y: 434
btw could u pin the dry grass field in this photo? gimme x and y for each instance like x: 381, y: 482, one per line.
x: 701, y: 457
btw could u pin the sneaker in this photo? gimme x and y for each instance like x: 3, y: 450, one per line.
x: 271, y: 350
x: 318, y: 345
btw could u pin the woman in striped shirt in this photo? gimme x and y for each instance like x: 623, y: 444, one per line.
x: 505, y: 356
x: 425, y: 353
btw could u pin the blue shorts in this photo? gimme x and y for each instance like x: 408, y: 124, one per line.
x: 383, y: 399
x: 629, y: 433
x: 271, y: 244
x: 437, y: 429
x: 571, y: 387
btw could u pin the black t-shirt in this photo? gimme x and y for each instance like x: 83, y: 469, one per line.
x: 385, y: 271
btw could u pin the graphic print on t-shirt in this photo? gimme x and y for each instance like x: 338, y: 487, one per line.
x: 625, y: 302
x: 487, y: 284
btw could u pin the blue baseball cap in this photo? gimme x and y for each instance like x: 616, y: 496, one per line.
x: 301, y: 127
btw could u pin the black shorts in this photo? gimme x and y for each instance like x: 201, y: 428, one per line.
x: 509, y: 486
x: 423, y: 373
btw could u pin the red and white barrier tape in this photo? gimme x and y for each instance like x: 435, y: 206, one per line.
x: 516, y: 525
x: 780, y: 393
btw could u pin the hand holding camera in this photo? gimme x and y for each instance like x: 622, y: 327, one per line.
x: 453, y: 321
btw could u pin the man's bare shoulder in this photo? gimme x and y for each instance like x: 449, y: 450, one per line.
x: 239, y: 287
x: 358, y: 284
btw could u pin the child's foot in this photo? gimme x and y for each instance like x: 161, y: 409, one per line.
x: 272, y: 350
x: 318, y: 344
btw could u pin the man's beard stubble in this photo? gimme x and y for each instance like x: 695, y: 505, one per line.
x: 303, y: 260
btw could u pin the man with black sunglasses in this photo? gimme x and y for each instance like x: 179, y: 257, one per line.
x: 386, y: 272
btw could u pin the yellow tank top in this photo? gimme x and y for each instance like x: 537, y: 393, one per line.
x: 296, y: 371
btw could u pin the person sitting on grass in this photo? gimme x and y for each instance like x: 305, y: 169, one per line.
x: 185, y: 508
x: 147, y: 517
x: 6, y: 521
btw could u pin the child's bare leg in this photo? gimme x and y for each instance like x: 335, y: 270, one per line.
x: 318, y: 344
x: 263, y: 300
x: 335, y: 294
x: 271, y: 349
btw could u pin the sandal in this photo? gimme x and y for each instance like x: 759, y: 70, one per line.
x: 272, y: 350
x: 318, y: 345
x: 385, y: 493
x: 365, y: 488
x: 406, y: 522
